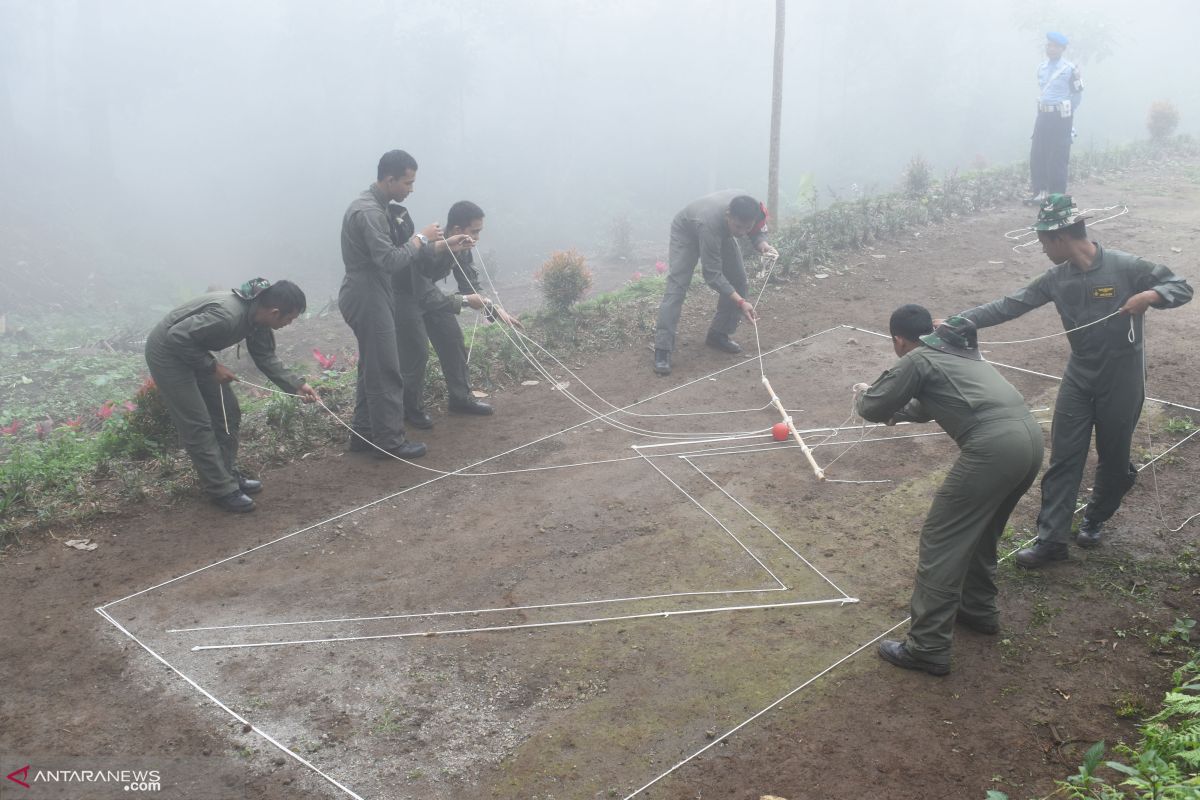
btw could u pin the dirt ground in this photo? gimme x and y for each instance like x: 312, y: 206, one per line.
x: 558, y: 710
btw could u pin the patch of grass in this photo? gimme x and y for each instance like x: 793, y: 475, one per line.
x: 1041, y: 614
x: 1128, y: 705
x: 1179, y: 425
x: 1165, y: 762
x: 388, y: 723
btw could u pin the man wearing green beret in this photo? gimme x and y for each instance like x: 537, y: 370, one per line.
x: 942, y: 377
x: 1101, y: 295
x: 195, y: 386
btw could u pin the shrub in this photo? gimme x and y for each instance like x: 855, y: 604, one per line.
x: 622, y: 237
x: 145, y: 431
x: 918, y: 177
x: 1162, y: 120
x: 564, y: 279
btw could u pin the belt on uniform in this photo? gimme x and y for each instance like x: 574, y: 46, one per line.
x: 1046, y: 107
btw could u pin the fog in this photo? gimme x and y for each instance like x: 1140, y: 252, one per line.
x: 149, y: 148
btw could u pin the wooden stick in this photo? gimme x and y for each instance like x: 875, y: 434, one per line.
x: 820, y: 473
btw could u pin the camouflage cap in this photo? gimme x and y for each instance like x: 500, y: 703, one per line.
x: 1057, y: 212
x: 251, y: 288
x: 956, y: 336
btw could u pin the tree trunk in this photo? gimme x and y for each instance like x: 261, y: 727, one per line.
x: 776, y: 110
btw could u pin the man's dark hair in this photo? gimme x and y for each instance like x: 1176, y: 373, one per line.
x: 394, y: 163
x: 462, y: 214
x: 745, y: 208
x: 1076, y: 230
x: 910, y: 322
x: 283, y: 295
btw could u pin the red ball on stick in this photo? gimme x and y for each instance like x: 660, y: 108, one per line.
x: 780, y: 432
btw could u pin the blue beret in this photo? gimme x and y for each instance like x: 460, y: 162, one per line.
x: 1057, y: 38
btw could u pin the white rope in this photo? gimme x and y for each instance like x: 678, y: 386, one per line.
x: 474, y: 331
x: 1023, y: 233
x: 245, y: 722
x: 713, y: 516
x: 393, y: 495
x: 718, y: 739
x: 473, y: 612
x: 767, y: 527
x: 519, y: 339
x: 1064, y: 333
x: 841, y: 601
x: 221, y: 394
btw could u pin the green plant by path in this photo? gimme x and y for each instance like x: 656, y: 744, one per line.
x: 813, y: 239
x: 564, y: 279
x: 1165, y: 763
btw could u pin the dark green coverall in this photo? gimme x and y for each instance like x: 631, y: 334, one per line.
x: 425, y: 314
x: 179, y: 352
x: 699, y: 233
x: 1104, y: 383
x: 1000, y: 453
x: 375, y: 249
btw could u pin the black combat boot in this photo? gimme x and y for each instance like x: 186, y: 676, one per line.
x: 470, y: 406
x: 418, y: 418
x: 408, y: 450
x: 247, y: 485
x: 1041, y: 554
x: 662, y: 361
x: 235, y: 502
x: 722, y: 342
x: 1089, y: 533
x: 896, y: 653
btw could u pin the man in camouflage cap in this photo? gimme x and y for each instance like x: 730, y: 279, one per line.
x: 1104, y: 384
x: 941, y: 376
x: 195, y: 386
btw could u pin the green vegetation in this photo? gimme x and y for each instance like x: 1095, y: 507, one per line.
x: 1165, y: 763
x: 1179, y: 425
x: 564, y: 279
x: 812, y: 240
x: 82, y: 433
x: 1162, y: 120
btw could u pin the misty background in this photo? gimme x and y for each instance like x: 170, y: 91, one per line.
x: 150, y: 148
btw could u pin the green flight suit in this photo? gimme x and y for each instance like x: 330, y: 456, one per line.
x: 179, y: 352
x: 700, y: 233
x: 1000, y: 453
x: 426, y: 315
x: 1104, y: 384
x: 376, y: 247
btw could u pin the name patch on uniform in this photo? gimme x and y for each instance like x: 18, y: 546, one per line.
x: 1104, y: 292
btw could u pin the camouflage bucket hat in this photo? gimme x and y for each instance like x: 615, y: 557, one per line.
x: 1057, y: 212
x: 956, y: 336
x: 251, y: 288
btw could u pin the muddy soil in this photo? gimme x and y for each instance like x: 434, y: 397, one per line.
x: 644, y: 667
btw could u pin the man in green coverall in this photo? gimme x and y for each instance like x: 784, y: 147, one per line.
x: 1104, y: 383
x: 426, y: 315
x: 941, y: 376
x: 379, y: 244
x: 195, y: 386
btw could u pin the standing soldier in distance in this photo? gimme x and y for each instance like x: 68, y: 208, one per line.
x: 1060, y: 91
x: 195, y: 386
x: 705, y: 232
